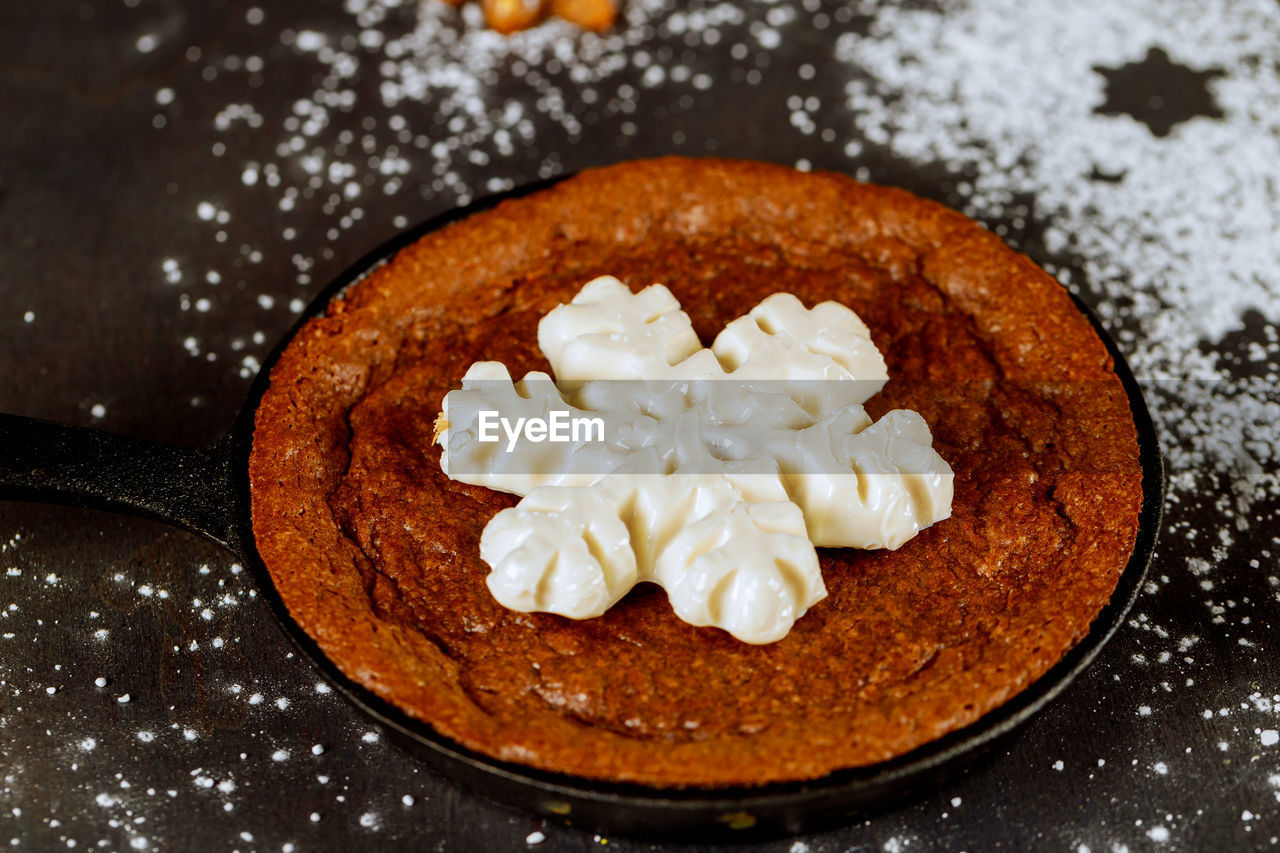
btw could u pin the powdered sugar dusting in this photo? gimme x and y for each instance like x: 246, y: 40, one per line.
x: 1022, y: 121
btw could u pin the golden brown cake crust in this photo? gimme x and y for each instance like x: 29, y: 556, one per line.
x: 375, y: 552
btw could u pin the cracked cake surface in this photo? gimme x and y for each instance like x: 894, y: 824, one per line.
x: 375, y: 552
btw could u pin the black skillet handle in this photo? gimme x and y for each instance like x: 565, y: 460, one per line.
x: 192, y: 487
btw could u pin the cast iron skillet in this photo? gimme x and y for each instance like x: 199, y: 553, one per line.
x: 206, y: 490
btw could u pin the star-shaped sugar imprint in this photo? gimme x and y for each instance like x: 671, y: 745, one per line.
x: 714, y: 472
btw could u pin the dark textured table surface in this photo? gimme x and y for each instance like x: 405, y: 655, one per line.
x: 178, y: 179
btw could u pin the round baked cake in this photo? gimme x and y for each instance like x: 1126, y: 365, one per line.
x: 375, y: 551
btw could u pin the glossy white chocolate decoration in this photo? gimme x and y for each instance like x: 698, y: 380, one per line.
x: 733, y: 554
x: 717, y: 490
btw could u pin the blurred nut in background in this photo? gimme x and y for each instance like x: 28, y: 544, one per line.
x: 509, y: 16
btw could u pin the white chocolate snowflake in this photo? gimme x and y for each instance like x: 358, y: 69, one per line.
x: 716, y: 471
